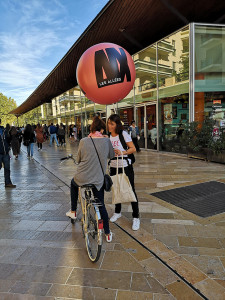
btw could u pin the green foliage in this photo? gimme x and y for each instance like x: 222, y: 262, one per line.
x: 197, y: 137
x: 189, y: 138
x: 31, y: 117
x: 218, y: 145
x: 7, y: 105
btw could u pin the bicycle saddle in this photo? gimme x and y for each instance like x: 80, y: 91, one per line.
x: 88, y: 186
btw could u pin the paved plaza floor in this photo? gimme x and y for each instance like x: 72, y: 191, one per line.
x: 174, y: 255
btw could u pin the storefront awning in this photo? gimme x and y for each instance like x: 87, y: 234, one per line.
x: 133, y: 25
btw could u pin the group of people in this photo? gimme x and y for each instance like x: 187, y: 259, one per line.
x: 118, y: 143
x: 89, y: 170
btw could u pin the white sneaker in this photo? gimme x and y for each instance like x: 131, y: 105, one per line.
x: 32, y: 157
x: 109, y: 237
x: 71, y: 215
x: 115, y: 217
x: 136, y: 224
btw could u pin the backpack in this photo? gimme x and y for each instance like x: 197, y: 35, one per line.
x: 124, y: 144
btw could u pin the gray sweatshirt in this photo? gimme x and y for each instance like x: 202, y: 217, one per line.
x: 89, y: 170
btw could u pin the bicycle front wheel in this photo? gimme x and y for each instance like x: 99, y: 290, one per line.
x: 93, y: 234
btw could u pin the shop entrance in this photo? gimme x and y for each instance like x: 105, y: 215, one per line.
x: 146, y: 122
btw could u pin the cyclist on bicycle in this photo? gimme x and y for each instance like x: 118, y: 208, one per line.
x: 89, y: 170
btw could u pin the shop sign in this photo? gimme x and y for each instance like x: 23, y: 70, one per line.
x: 216, y: 102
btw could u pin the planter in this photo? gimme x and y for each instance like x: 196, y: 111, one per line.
x: 197, y: 154
x: 216, y: 157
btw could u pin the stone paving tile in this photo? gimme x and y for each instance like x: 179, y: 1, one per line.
x: 120, y: 261
x: 46, y: 206
x: 45, y: 274
x: 163, y: 297
x: 10, y: 296
x: 186, y: 269
x: 169, y: 240
x: 100, y: 278
x: 79, y: 292
x: 182, y: 291
x: 53, y: 226
x: 23, y: 287
x: 127, y: 295
x: 211, y: 266
x: 57, y: 257
x: 30, y: 225
x: 5, y: 285
x: 137, y: 251
x: 170, y: 229
x: 146, y: 283
x: 159, y: 271
x: 208, y: 288
x: 198, y: 242
x: 9, y: 254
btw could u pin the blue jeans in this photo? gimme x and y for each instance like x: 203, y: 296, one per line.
x: 99, y: 195
x: 53, y: 136
x: 5, y: 160
x: 30, y: 149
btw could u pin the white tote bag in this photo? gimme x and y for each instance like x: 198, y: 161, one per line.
x: 121, y: 189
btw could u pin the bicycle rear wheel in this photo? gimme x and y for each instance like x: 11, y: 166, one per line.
x: 93, y: 236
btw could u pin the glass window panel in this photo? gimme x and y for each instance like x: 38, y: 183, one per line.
x: 173, y: 82
x: 210, y: 74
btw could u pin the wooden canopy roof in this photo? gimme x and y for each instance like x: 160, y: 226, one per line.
x: 133, y: 24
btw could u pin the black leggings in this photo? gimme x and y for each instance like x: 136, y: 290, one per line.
x: 39, y: 145
x: 130, y: 174
x: 99, y: 195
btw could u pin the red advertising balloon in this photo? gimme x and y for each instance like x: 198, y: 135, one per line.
x: 106, y: 73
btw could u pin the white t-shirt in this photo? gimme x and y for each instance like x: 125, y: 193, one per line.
x: 117, y: 145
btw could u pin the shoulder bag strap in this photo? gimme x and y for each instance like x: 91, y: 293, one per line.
x: 122, y: 141
x: 98, y: 156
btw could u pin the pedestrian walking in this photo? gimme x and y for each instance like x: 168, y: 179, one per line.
x: 89, y: 170
x: 39, y: 136
x: 122, y: 144
x: 4, y: 155
x: 75, y: 132
x: 15, y: 142
x: 135, y: 135
x: 61, y: 135
x: 53, y: 131
x: 28, y: 140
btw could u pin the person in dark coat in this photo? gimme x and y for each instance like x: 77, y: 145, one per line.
x: 4, y: 155
x: 15, y: 143
x: 28, y: 140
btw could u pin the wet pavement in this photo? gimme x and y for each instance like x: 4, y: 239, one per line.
x: 43, y: 256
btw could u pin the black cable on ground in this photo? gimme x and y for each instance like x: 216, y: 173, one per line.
x: 163, y: 262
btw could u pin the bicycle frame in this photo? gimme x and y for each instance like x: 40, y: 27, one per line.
x: 84, y: 206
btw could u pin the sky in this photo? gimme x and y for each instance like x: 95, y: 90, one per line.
x: 34, y: 36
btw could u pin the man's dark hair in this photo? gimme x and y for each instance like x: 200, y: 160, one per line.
x: 0, y: 121
x: 116, y: 118
x: 51, y: 123
x: 133, y: 121
x: 97, y: 125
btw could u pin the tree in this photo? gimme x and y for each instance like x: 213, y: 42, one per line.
x: 7, y: 105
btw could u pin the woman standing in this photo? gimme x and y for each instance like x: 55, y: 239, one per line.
x: 89, y: 170
x: 61, y: 134
x: 117, y: 133
x: 28, y: 138
x: 15, y: 142
x: 39, y: 136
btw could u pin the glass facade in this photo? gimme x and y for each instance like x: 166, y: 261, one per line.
x: 210, y: 74
x: 178, y: 79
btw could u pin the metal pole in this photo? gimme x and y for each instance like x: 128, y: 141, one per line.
x: 192, y: 73
x: 158, y: 109
x: 135, y: 114
x: 81, y: 119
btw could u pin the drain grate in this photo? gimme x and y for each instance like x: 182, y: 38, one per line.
x: 203, y: 199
